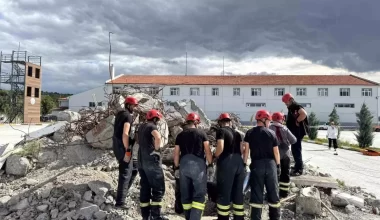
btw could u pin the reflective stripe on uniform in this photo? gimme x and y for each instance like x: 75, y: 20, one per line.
x: 156, y: 203
x: 198, y: 205
x: 284, y: 184
x: 144, y: 204
x: 257, y: 206
x: 277, y: 205
x: 186, y: 206
x: 223, y: 210
x: 284, y: 189
x: 238, y: 209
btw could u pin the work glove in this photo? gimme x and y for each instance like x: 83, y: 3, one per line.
x: 127, y: 156
x: 176, y: 171
x: 278, y: 170
x: 156, y: 155
x: 210, y: 173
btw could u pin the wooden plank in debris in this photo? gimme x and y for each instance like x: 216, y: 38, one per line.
x: 317, y: 181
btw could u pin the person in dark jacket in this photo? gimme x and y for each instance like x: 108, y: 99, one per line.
x: 122, y: 147
x: 298, y: 124
x: 152, y: 180
x: 191, y: 149
x: 230, y: 170
x: 265, y: 166
x: 285, y: 138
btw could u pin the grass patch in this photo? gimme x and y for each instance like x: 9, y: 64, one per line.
x: 30, y: 149
x: 341, y: 144
x: 341, y: 183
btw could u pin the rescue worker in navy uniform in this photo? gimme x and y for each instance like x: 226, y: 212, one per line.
x: 298, y: 124
x: 191, y: 149
x: 150, y: 168
x: 230, y: 170
x: 265, y: 166
x: 285, y: 138
x: 122, y: 147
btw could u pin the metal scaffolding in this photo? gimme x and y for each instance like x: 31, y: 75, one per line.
x: 12, y: 72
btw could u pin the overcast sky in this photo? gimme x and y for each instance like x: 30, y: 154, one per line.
x: 152, y: 36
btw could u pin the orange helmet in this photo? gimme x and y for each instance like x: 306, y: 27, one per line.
x: 193, y: 117
x: 224, y: 116
x: 287, y: 97
x: 278, y: 116
x: 153, y: 114
x: 263, y: 114
x: 131, y: 100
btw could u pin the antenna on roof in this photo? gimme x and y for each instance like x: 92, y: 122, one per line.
x: 223, y: 65
x: 186, y: 64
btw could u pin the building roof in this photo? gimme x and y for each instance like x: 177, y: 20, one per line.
x: 243, y: 80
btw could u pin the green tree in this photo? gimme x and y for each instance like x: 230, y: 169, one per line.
x: 47, y: 104
x: 334, y: 117
x: 365, y: 134
x: 313, y: 122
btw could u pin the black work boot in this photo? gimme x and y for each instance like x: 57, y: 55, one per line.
x: 256, y: 213
x: 274, y: 213
x: 223, y: 217
x: 283, y: 194
x: 145, y: 212
x: 196, y: 213
x: 155, y: 213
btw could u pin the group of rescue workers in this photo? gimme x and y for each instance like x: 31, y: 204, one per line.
x: 267, y: 145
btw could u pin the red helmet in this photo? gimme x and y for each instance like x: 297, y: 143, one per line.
x: 287, y: 97
x: 262, y: 114
x: 193, y: 117
x: 153, y: 113
x: 131, y: 100
x: 278, y: 116
x: 224, y: 116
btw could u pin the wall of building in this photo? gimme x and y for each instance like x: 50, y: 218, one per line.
x: 320, y: 105
x: 32, y: 94
x: 83, y: 100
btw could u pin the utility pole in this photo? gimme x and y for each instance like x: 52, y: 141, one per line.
x: 186, y: 64
x: 223, y: 65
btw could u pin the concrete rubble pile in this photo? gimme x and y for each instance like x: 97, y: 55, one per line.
x: 68, y: 171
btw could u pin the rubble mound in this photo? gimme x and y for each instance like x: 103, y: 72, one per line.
x: 68, y: 171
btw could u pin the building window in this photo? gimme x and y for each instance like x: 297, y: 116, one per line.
x: 30, y: 71
x: 256, y: 91
x: 306, y: 105
x: 215, y: 91
x: 100, y: 103
x: 301, y: 91
x: 345, y: 92
x: 194, y: 92
x: 29, y: 91
x: 153, y: 91
x: 174, y: 91
x: 344, y: 105
x: 279, y: 91
x: 236, y: 91
x: 91, y: 104
x: 250, y: 104
x: 116, y: 90
x: 37, y: 92
x: 38, y: 71
x: 323, y: 92
x: 366, y: 92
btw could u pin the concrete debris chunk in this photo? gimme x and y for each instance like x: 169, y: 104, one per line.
x: 317, y: 181
x: 308, y: 201
x: 353, y: 200
x: 68, y: 116
x: 17, y: 165
x: 101, y: 135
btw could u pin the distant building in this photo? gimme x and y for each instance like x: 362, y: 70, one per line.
x: 245, y: 94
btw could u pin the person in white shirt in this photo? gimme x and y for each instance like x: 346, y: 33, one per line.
x: 332, y: 135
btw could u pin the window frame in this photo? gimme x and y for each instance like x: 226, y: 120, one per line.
x: 215, y: 91
x: 325, y: 92
x: 197, y: 89
x: 236, y: 91
x: 276, y: 90
x: 343, y: 90
x: 367, y: 90
x: 303, y: 89
x: 174, y: 91
x: 257, y: 90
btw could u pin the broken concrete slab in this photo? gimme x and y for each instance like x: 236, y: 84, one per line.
x: 68, y: 116
x: 45, y: 131
x: 147, y: 102
x: 354, y: 200
x: 308, y: 201
x: 185, y: 107
x: 318, y: 181
x: 101, y: 135
x: 5, y: 151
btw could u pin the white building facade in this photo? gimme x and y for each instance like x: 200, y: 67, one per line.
x: 244, y: 95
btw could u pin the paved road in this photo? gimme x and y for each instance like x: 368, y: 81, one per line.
x: 353, y: 168
x: 350, y: 137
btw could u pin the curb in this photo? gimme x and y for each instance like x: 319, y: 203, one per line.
x: 325, y: 144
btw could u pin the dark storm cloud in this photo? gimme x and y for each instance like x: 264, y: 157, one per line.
x: 151, y: 35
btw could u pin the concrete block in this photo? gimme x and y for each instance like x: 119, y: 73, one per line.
x: 317, y: 181
x: 354, y: 200
x: 308, y: 201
